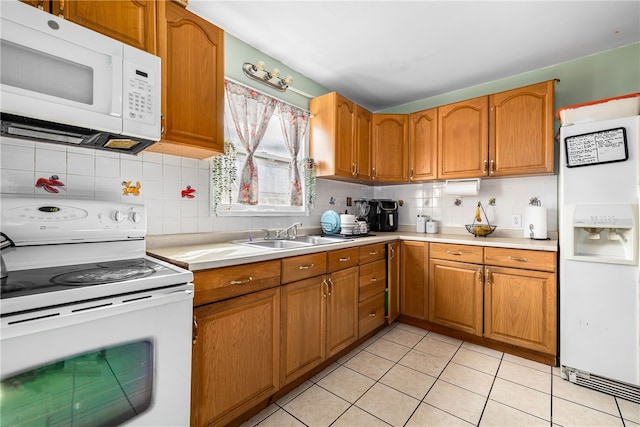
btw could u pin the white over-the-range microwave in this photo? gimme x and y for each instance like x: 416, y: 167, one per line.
x: 63, y: 83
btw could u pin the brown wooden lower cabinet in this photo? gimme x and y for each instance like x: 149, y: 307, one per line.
x: 236, y: 356
x: 342, y: 309
x: 413, y: 279
x: 393, y: 281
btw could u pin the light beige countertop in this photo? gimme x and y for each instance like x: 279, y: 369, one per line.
x: 192, y: 253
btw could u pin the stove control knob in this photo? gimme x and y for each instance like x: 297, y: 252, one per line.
x: 135, y: 217
x: 118, y: 216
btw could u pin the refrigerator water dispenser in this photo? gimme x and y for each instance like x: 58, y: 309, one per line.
x: 603, y: 233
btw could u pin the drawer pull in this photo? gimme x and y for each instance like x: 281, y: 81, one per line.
x: 373, y: 253
x: 194, y: 331
x: 373, y: 279
x: 325, y: 284
x: 345, y: 259
x: 241, y: 282
x: 372, y: 314
x: 457, y: 253
x: 330, y: 286
x: 305, y: 267
x: 514, y: 258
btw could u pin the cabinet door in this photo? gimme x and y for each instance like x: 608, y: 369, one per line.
x: 463, y: 139
x: 192, y: 55
x: 235, y: 356
x: 362, y: 141
x: 521, y: 140
x: 455, y: 295
x: 393, y: 282
x: 390, y: 144
x: 40, y: 4
x: 345, y: 144
x: 131, y: 21
x: 423, y: 142
x: 520, y: 308
x: 342, y: 310
x: 414, y: 284
x: 303, y: 331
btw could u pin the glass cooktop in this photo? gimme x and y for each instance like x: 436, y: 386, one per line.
x: 51, y: 279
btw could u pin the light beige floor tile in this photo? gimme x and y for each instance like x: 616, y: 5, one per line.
x: 628, y: 423
x: 569, y: 414
x: 346, y: 383
x: 260, y: 415
x: 317, y: 407
x: 408, y: 381
x: 484, y: 350
x: 411, y: 328
x: 388, y: 349
x: 357, y: 417
x: 369, y: 364
x: 630, y: 410
x: 584, y: 396
x: 281, y: 418
x: 456, y: 401
x: 523, y: 398
x: 526, y: 362
x: 427, y: 415
x: 388, y: 404
x: 555, y: 370
x: 326, y: 371
x: 479, y: 361
x: 294, y: 393
x: 467, y: 378
x: 382, y: 332
x: 403, y: 337
x: 498, y: 415
x: 449, y: 340
x: 424, y: 362
x: 436, y: 347
x: 349, y: 355
x: 526, y: 376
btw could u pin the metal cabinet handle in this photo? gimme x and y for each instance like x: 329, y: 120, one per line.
x: 373, y: 253
x: 411, y: 175
x: 492, y: 169
x: 162, y: 126
x: 241, y: 282
x: 487, y: 277
x: 345, y: 259
x: 194, y: 331
x: 61, y: 13
x: 393, y: 252
x: 457, y: 253
x: 372, y: 314
x: 331, y: 286
x: 373, y: 279
x: 479, y: 273
x: 324, y: 283
x: 485, y: 165
x: 514, y: 258
x: 305, y: 267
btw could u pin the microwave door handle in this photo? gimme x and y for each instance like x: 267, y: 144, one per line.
x: 116, y: 83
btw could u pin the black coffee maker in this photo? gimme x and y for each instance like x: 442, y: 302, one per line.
x: 383, y: 215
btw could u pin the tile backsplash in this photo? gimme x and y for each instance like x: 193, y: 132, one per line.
x: 95, y: 174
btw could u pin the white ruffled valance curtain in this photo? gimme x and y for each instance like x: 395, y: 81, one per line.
x: 294, y: 122
x: 251, y: 111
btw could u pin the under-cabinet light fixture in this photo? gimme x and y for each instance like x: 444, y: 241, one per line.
x: 270, y: 78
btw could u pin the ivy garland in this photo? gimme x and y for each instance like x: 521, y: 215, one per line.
x: 224, y: 170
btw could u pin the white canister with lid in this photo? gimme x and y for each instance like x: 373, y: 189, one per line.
x: 420, y: 224
x: 431, y: 226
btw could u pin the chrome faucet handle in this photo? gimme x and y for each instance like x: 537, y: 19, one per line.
x: 267, y: 234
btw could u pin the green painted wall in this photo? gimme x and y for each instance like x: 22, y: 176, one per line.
x: 603, y: 75
x: 237, y: 52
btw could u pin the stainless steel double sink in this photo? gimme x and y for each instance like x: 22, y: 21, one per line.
x: 297, y: 242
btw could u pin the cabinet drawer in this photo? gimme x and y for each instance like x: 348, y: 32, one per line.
x: 371, y: 314
x: 373, y: 279
x: 227, y: 282
x: 343, y: 258
x: 372, y: 252
x: 462, y: 253
x: 521, y: 258
x: 303, y: 266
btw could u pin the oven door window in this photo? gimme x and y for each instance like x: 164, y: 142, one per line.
x: 99, y: 388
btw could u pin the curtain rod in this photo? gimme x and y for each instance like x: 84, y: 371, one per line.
x: 267, y: 94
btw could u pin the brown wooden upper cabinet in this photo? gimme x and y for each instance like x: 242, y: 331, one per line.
x: 340, y: 138
x: 192, y: 52
x: 505, y: 134
x: 423, y: 142
x: 389, y: 148
x: 131, y: 21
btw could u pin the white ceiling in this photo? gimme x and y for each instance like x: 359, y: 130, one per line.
x: 387, y: 53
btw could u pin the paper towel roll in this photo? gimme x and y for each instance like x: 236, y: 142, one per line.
x: 535, y: 222
x: 465, y: 187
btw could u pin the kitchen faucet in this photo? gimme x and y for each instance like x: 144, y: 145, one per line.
x: 286, y: 231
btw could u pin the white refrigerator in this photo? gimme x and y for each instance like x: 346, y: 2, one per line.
x: 599, y: 186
